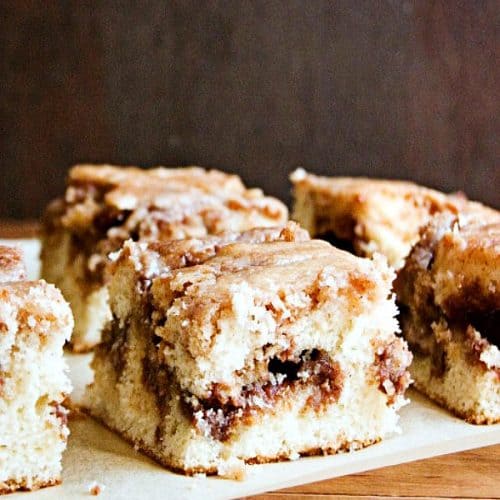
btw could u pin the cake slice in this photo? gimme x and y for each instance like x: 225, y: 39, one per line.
x: 35, y: 322
x: 365, y: 215
x: 449, y: 292
x: 104, y: 206
x: 237, y: 348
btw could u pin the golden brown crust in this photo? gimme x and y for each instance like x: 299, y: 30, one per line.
x: 469, y: 416
x: 11, y: 264
x: 344, y: 447
x: 140, y: 445
x: 11, y: 486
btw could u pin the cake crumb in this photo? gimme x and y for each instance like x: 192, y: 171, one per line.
x: 95, y: 488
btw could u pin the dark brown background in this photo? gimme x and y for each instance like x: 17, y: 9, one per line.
x: 385, y: 88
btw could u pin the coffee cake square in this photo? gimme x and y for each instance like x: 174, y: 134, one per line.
x: 104, y: 206
x: 35, y: 321
x: 449, y: 294
x: 366, y: 215
x: 248, y: 348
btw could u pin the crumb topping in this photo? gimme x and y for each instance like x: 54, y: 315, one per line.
x: 450, y: 288
x: 373, y: 215
x: 392, y: 362
x: 151, y: 259
x: 104, y: 206
x: 11, y: 264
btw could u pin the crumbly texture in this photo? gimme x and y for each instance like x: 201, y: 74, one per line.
x: 11, y: 264
x: 104, y: 206
x: 248, y: 350
x: 35, y: 321
x: 449, y: 292
x: 371, y: 215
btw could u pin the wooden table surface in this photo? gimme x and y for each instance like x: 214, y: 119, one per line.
x: 470, y: 474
